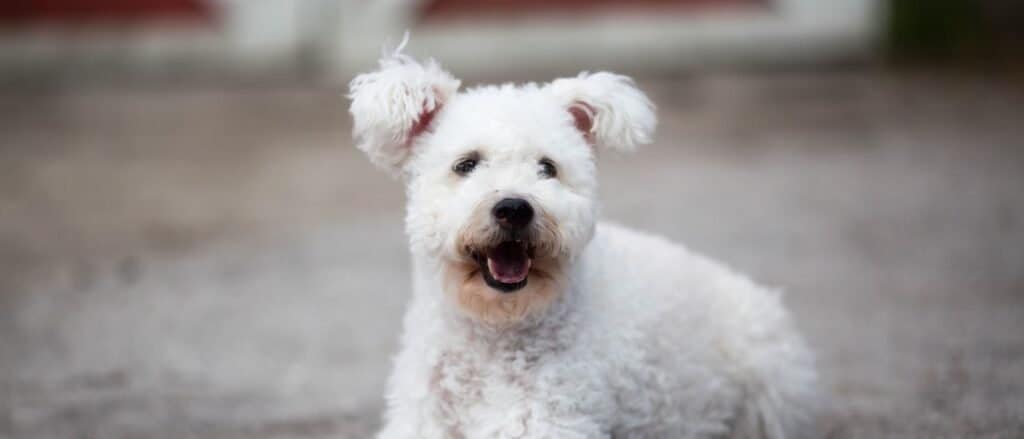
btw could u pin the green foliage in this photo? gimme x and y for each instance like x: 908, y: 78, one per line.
x: 935, y: 29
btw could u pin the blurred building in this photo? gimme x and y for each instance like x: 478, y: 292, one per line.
x: 333, y: 39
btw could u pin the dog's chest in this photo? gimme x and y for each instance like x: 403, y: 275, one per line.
x: 474, y: 389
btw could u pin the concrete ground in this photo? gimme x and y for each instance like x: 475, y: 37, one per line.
x: 216, y: 263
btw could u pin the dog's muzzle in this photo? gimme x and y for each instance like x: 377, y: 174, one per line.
x: 505, y: 265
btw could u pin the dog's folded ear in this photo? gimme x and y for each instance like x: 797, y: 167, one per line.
x: 395, y: 104
x: 608, y: 109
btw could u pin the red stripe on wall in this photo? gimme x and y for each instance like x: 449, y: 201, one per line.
x: 79, y: 11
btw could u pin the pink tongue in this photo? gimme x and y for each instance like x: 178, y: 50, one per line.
x: 508, y: 263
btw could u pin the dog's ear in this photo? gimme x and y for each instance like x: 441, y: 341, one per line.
x: 395, y: 104
x: 608, y: 109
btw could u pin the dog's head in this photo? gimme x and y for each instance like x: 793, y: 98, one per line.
x: 501, y: 179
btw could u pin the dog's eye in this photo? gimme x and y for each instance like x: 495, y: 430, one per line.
x: 465, y: 165
x: 547, y: 168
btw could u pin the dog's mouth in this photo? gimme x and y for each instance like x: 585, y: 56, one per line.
x: 505, y: 267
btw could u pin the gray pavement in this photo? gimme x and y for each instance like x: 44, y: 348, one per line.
x: 199, y: 262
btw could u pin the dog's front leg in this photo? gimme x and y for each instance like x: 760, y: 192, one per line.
x: 413, y: 418
x: 413, y: 404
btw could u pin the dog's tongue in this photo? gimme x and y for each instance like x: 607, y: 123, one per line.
x: 508, y: 263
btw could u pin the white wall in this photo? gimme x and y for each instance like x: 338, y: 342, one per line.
x: 791, y: 31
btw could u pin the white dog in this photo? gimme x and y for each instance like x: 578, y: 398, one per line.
x: 528, y: 318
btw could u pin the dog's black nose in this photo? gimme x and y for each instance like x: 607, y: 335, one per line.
x: 513, y: 213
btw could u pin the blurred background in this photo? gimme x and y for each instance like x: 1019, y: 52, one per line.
x: 191, y: 247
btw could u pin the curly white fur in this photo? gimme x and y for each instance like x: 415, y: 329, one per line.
x: 387, y: 103
x: 623, y: 117
x: 633, y: 337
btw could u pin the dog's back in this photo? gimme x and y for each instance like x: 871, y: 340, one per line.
x: 695, y: 347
